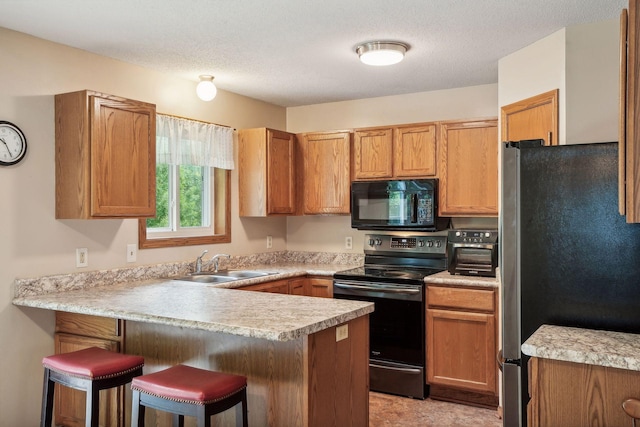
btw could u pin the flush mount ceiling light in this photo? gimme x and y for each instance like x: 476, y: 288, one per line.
x: 381, y: 53
x: 206, y: 90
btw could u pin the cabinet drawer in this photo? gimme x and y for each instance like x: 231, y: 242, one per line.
x: 89, y: 326
x: 461, y: 298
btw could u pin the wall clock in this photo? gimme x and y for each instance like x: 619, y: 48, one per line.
x: 13, y: 144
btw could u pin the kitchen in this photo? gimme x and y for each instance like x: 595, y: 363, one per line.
x: 37, y: 245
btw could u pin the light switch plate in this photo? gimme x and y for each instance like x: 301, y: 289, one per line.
x: 132, y: 252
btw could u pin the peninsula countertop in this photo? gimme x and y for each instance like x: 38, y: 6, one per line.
x: 586, y: 346
x: 211, y: 307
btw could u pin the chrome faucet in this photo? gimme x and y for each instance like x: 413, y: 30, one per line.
x: 214, y: 259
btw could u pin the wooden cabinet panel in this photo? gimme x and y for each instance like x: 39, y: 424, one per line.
x: 105, y: 156
x: 461, y: 352
x: 276, y: 286
x: 415, y: 151
x: 372, y: 153
x: 461, y: 299
x: 319, y: 287
x: 90, y: 326
x: 395, y: 152
x: 576, y: 395
x: 326, y: 174
x: 70, y: 404
x: 532, y: 118
x: 266, y: 172
x: 461, y: 338
x: 298, y: 286
x: 468, y: 168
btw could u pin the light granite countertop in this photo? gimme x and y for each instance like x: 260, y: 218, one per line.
x: 445, y: 278
x: 136, y: 294
x: 588, y: 346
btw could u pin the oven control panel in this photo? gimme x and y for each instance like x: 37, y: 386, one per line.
x: 414, y: 244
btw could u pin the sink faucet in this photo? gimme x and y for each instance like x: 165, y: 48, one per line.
x: 214, y: 259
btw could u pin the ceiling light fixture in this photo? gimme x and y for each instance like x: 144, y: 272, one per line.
x: 381, y: 53
x: 206, y: 90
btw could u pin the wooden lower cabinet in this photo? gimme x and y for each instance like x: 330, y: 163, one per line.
x: 578, y: 395
x: 461, y: 345
x: 308, y: 286
x: 76, y: 332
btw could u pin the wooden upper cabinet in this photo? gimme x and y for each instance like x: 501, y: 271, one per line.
x: 395, y: 152
x: 414, y: 151
x: 326, y: 173
x: 629, y: 173
x: 468, y: 168
x: 372, y: 153
x: 105, y: 156
x: 532, y: 118
x: 266, y: 172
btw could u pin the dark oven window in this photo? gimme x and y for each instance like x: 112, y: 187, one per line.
x: 396, y: 329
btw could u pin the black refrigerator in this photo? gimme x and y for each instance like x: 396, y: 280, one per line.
x: 568, y: 257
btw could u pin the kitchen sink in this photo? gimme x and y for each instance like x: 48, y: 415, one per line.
x: 205, y: 278
x: 223, y: 276
x: 242, y: 274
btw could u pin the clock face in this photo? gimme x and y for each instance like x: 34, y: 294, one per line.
x: 13, y: 144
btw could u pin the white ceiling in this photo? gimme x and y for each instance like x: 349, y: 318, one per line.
x: 301, y: 52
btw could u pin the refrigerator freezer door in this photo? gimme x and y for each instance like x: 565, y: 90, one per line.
x: 511, y: 388
x: 510, y: 255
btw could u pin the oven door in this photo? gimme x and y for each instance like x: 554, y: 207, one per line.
x: 397, y: 324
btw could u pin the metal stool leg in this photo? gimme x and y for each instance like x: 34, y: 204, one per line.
x: 46, y: 414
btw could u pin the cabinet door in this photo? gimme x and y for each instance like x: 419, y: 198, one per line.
x: 298, y: 286
x: 320, y: 287
x: 372, y: 153
x: 461, y: 350
x: 414, y: 151
x: 280, y: 173
x: 326, y: 173
x: 70, y: 404
x: 468, y: 168
x: 123, y: 151
x: 532, y: 118
x: 276, y: 286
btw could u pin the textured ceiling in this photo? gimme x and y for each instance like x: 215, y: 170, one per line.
x: 300, y: 52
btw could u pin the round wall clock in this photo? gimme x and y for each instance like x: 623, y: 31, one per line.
x: 13, y: 144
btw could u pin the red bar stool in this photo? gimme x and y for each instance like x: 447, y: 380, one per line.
x: 184, y: 390
x: 92, y: 369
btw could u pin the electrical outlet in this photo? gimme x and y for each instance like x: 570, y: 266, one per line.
x: 132, y: 252
x: 342, y: 332
x: 82, y: 257
x: 269, y: 242
x: 348, y: 242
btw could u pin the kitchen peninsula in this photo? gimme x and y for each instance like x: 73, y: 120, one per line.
x: 300, y: 371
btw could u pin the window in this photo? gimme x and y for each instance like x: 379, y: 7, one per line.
x: 193, y: 162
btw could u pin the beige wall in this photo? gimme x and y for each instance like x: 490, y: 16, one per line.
x: 582, y: 62
x: 34, y: 243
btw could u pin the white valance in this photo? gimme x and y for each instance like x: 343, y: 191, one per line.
x: 188, y: 142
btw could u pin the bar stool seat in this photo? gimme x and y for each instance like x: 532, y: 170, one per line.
x: 91, y: 370
x: 187, y: 391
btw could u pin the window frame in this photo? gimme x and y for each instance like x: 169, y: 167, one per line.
x: 221, y: 220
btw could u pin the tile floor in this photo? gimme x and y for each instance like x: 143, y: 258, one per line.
x: 390, y: 411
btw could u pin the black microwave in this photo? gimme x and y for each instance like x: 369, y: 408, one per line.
x: 396, y: 205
